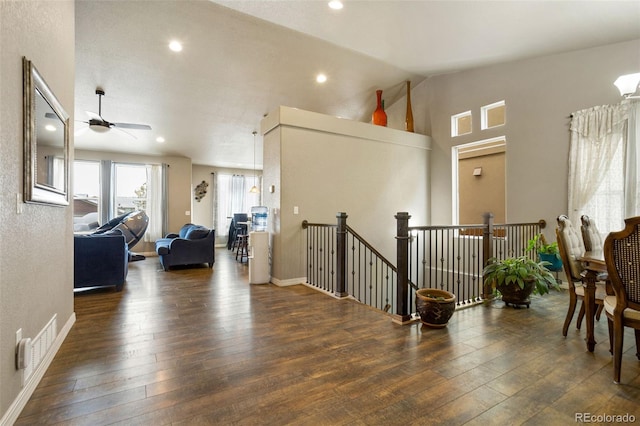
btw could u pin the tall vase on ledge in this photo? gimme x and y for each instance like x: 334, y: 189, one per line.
x: 408, y: 122
x: 379, y: 117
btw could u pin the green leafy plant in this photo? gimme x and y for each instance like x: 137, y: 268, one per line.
x: 517, y: 270
x: 539, y: 244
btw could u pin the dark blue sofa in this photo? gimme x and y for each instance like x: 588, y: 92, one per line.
x: 194, y: 244
x: 100, y: 260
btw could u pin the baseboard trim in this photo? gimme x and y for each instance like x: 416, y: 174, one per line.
x: 21, y: 400
x: 290, y: 281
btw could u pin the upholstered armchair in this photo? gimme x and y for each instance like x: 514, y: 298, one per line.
x: 194, y: 244
x: 100, y: 260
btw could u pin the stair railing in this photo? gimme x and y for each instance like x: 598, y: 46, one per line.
x: 342, y: 263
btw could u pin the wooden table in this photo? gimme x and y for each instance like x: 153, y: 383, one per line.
x: 594, y: 264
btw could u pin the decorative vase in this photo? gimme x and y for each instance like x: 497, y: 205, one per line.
x: 379, y: 117
x: 435, y: 306
x: 408, y: 122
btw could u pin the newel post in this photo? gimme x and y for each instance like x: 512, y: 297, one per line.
x: 341, y: 255
x: 402, y: 252
x: 487, y: 249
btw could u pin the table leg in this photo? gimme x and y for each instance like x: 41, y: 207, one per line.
x: 590, y: 306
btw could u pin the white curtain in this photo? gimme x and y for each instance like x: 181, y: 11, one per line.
x: 596, y: 160
x: 237, y: 192
x: 155, y: 203
x: 222, y: 204
x: 632, y: 163
x: 214, y: 205
x: 232, y: 196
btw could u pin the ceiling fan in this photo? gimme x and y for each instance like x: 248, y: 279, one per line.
x: 99, y: 124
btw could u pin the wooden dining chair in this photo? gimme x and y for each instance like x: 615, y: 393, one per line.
x: 622, y: 255
x: 571, y: 247
x: 590, y: 235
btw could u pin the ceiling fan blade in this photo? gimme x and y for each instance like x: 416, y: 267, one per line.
x: 51, y: 115
x: 81, y: 129
x: 132, y: 126
x: 94, y: 116
x: 125, y: 132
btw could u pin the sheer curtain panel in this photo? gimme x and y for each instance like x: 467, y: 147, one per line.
x: 598, y: 134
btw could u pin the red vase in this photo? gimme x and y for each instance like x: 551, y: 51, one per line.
x: 379, y: 117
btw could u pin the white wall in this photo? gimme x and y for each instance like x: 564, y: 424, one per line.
x: 540, y: 95
x: 36, y: 248
x: 324, y: 165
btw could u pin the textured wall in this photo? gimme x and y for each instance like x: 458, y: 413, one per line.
x: 368, y: 172
x: 540, y: 95
x: 36, y: 248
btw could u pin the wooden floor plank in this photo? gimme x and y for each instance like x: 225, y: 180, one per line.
x: 195, y: 346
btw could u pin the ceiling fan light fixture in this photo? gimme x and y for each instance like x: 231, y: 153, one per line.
x: 98, y: 128
x: 628, y: 84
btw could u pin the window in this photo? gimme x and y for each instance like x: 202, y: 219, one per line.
x: 130, y: 189
x: 233, y: 196
x: 492, y: 115
x: 86, y: 187
x: 461, y: 124
x: 606, y: 207
x: 603, y: 165
x: 104, y: 190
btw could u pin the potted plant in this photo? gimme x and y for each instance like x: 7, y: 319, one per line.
x: 516, y: 278
x: 435, y: 306
x: 546, y: 252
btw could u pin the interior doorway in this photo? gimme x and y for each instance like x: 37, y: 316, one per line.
x: 479, y: 181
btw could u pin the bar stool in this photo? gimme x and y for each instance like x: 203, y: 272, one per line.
x: 241, y: 244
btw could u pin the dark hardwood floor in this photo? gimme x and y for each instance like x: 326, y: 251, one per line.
x: 201, y: 346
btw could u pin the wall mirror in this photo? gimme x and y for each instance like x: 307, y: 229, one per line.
x: 46, y: 142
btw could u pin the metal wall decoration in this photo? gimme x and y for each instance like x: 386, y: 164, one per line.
x: 201, y: 190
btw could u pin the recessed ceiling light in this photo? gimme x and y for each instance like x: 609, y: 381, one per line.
x: 335, y: 4
x: 321, y: 78
x: 50, y: 127
x: 160, y: 139
x: 176, y: 46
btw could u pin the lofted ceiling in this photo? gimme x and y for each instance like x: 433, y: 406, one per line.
x: 242, y: 59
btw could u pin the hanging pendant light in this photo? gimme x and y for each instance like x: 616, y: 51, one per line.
x: 254, y: 189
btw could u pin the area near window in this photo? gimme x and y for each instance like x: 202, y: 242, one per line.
x: 233, y: 196
x: 104, y: 190
x: 461, y: 124
x: 493, y: 115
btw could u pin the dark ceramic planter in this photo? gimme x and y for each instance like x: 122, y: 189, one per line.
x: 435, y: 306
x: 512, y: 294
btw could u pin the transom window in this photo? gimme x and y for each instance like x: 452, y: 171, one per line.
x: 492, y: 115
x: 461, y: 124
